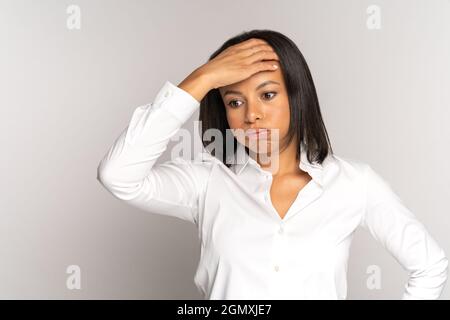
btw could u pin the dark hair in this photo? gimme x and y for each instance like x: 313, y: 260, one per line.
x: 305, y: 116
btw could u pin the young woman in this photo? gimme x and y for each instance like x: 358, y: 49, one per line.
x: 274, y: 222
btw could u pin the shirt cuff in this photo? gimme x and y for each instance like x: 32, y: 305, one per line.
x: 177, y: 101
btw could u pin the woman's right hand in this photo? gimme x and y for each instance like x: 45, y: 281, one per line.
x: 234, y: 64
x: 239, y: 62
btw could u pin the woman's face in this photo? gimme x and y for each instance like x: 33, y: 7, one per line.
x: 260, y: 101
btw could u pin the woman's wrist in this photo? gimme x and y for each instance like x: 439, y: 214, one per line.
x: 197, y: 84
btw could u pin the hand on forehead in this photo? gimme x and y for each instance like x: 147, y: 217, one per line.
x: 252, y: 82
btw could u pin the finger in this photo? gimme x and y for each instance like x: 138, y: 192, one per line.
x: 262, y: 55
x: 250, y: 43
x: 252, y: 50
x: 264, y: 66
x: 246, y: 48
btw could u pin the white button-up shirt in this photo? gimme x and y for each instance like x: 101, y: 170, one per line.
x: 247, y: 250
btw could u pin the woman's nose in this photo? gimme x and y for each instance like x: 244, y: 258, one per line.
x: 253, y: 112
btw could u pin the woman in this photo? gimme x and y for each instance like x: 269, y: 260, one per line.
x: 275, y: 209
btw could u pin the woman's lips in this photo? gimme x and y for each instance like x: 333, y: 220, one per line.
x: 257, y: 133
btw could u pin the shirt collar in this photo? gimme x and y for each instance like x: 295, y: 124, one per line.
x: 315, y: 170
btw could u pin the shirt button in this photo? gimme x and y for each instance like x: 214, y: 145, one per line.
x: 281, y: 230
x: 167, y: 94
x: 277, y: 268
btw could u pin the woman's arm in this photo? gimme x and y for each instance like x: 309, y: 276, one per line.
x: 128, y: 172
x: 392, y: 224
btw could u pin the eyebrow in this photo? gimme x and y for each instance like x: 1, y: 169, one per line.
x: 265, y: 83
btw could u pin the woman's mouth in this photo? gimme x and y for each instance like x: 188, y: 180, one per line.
x: 257, y: 133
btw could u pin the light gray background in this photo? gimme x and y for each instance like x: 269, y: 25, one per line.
x: 67, y: 94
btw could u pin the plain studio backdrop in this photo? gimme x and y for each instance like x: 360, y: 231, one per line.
x: 68, y: 92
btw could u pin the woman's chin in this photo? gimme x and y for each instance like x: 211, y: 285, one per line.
x: 260, y: 150
x: 258, y: 145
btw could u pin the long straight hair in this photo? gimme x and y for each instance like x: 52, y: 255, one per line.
x: 306, y: 121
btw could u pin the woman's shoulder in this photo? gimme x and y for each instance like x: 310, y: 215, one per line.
x: 351, y: 166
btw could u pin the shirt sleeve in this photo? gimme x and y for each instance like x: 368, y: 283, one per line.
x: 393, y: 225
x: 128, y: 169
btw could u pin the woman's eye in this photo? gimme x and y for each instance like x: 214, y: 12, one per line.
x: 266, y: 93
x: 231, y: 103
